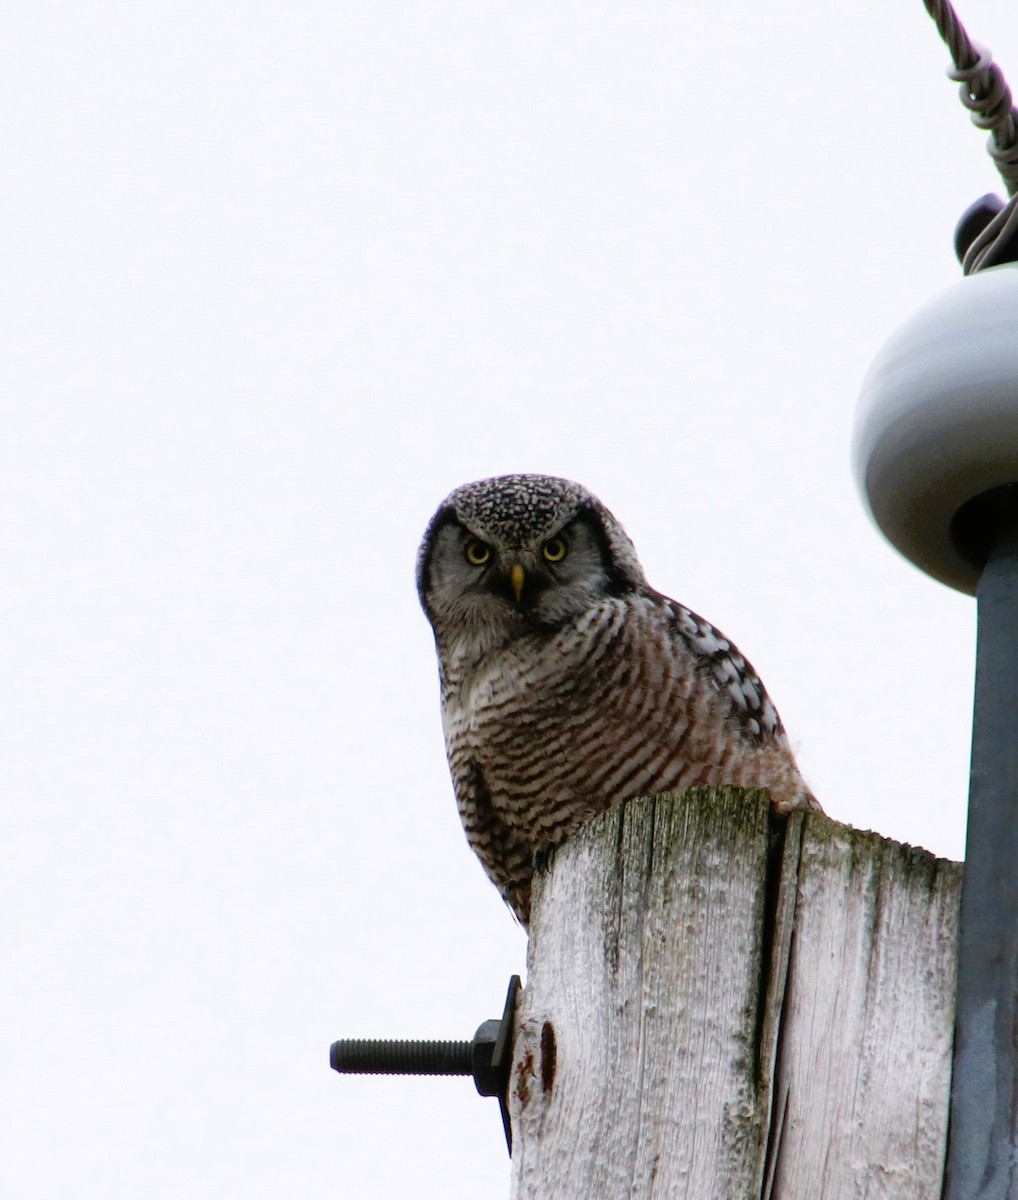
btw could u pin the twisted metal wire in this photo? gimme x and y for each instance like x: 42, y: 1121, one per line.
x: 983, y: 90
x: 951, y: 30
x: 985, y: 93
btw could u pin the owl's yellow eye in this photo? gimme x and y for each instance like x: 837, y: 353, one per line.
x: 477, y: 553
x: 554, y: 550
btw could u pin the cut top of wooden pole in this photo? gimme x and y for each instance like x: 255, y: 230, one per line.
x: 718, y: 1006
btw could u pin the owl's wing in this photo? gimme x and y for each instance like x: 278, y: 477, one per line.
x: 720, y: 661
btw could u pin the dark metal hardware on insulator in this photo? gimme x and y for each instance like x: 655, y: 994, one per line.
x: 974, y: 220
x: 487, y: 1057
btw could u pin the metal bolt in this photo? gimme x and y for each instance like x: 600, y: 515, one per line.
x: 357, y: 1056
x: 487, y: 1057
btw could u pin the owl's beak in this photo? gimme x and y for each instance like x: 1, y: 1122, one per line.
x: 517, y: 577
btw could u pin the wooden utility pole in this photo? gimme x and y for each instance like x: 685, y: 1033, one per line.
x: 719, y: 1006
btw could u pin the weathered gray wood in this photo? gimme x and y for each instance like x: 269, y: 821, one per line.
x: 866, y: 1039
x: 698, y: 1025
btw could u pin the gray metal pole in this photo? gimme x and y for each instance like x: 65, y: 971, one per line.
x: 982, y: 1162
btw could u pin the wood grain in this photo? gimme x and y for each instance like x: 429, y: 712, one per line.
x: 718, y: 1009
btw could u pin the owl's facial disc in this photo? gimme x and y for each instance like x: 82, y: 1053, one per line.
x: 515, y: 575
x: 543, y: 580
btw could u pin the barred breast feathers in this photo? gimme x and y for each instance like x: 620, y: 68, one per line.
x: 568, y: 684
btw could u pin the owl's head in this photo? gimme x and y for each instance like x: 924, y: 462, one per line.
x: 519, y: 552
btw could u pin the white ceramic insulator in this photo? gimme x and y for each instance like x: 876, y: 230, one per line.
x: 937, y: 420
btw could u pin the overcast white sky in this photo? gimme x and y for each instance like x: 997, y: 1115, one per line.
x: 275, y: 278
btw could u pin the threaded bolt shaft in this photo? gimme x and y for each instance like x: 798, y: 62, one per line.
x: 366, y: 1056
